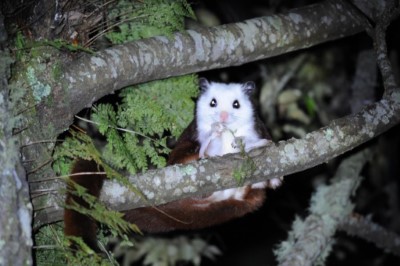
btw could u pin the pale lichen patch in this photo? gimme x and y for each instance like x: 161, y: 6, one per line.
x: 283, y: 158
x: 189, y: 189
x: 290, y: 152
x: 381, y: 115
x: 39, y: 90
x: 234, y: 43
x: 162, y: 39
x: 296, y: 18
x: 98, y: 62
x: 267, y: 172
x: 149, y: 194
x: 114, y: 192
x: 198, y: 43
x: 301, y: 146
x: 272, y: 38
x: 249, y: 30
x: 329, y: 134
x: 219, y: 47
x: 189, y: 170
x: 396, y: 99
x: 202, y: 169
x: 115, y: 54
x: 368, y: 117
x: 177, y: 192
x: 323, y: 144
x: 178, y: 42
x: 327, y: 20
x: 173, y: 174
x: 157, y: 181
x: 25, y: 221
x: 215, y: 178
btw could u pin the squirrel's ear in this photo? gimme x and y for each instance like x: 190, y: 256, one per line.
x: 249, y: 87
x: 204, y: 84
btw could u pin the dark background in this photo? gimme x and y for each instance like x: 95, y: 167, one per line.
x: 251, y: 240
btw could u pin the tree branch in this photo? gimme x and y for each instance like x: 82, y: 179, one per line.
x: 91, y: 77
x: 285, y: 158
x: 310, y: 240
x: 15, y: 208
x: 357, y: 225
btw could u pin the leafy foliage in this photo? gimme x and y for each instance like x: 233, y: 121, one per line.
x: 159, y: 251
x: 137, y: 129
x: 52, y: 249
x: 138, y: 20
x: 148, y: 113
x: 79, y: 145
x: 99, y: 212
x: 138, y: 126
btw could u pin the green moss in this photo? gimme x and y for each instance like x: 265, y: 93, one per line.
x: 39, y: 90
x: 57, y: 71
x: 137, y: 127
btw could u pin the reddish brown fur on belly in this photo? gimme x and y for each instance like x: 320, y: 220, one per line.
x: 189, y: 213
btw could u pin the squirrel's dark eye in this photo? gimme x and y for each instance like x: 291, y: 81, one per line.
x: 236, y: 104
x: 213, y: 103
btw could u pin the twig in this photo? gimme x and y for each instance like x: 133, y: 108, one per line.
x: 310, y: 240
x: 40, y: 166
x: 66, y: 176
x: 120, y: 129
x: 363, y: 227
x: 40, y: 142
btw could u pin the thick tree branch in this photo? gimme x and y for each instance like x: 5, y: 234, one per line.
x: 286, y: 157
x: 89, y: 78
x: 311, y: 239
x: 15, y: 208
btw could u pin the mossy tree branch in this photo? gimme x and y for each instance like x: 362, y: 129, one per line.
x: 311, y: 239
x: 285, y: 158
x: 276, y: 160
x: 365, y: 228
x: 85, y: 80
x: 15, y: 208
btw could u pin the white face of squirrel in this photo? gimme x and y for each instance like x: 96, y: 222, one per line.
x: 225, y: 114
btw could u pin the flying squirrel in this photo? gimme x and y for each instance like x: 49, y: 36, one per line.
x: 225, y: 122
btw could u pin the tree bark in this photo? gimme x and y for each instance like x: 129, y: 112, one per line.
x: 86, y: 79
x: 216, y: 173
x: 92, y: 76
x: 15, y: 207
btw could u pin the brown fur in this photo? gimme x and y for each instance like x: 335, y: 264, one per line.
x: 189, y: 213
x: 75, y: 223
x: 188, y: 216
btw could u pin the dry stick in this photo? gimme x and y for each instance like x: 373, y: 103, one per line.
x: 40, y: 166
x: 357, y: 225
x: 101, y: 33
x: 66, y: 176
x: 40, y: 142
x: 120, y: 129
